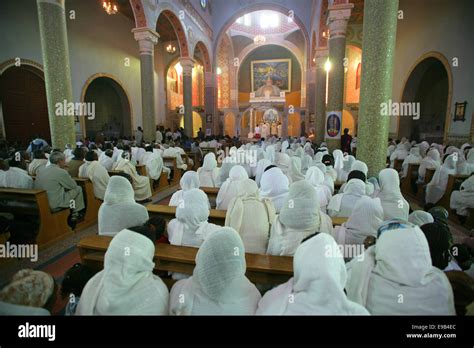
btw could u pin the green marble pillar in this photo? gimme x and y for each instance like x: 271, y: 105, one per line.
x: 147, y: 39
x: 57, y: 70
x: 378, y: 51
x: 337, y: 21
x: 321, y: 56
x: 188, y: 65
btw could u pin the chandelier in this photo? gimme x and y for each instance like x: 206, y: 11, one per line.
x: 259, y: 39
x: 110, y: 8
x: 170, y: 49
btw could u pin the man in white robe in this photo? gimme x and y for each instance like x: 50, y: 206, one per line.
x: 105, y: 159
x: 97, y: 174
x: 14, y: 177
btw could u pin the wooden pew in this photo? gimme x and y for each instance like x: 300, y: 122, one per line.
x: 92, y: 203
x: 422, y: 186
x: 206, y: 150
x: 261, y: 269
x: 52, y: 226
x: 171, y: 163
x: 195, y: 157
x: 470, y: 219
x: 211, y: 193
x: 411, y: 178
x: 338, y: 221
x: 141, y: 169
x: 168, y: 213
x: 454, y: 182
x: 397, y: 165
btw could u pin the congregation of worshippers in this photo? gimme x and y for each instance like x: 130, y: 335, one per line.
x: 355, y: 243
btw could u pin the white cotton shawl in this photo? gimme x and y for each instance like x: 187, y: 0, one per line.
x: 261, y: 166
x: 106, y: 161
x: 16, y: 178
x: 342, y: 204
x: 224, y: 171
x: 98, y: 175
x: 274, y: 186
x: 465, y: 166
x: 189, y: 181
x: 464, y: 198
x: 231, y: 187
x: 338, y: 162
x: 316, y: 178
x: 218, y: 285
x: 119, y: 210
x: 430, y: 161
x: 420, y: 218
x: 154, y: 165
x: 437, y: 186
x: 127, y: 285
x: 362, y: 167
x: 328, y: 179
x: 299, y: 217
x: 295, y: 169
x: 413, y: 158
x: 393, y: 203
x: 317, y: 287
x: 270, y: 153
x: 209, y: 173
x: 396, y: 277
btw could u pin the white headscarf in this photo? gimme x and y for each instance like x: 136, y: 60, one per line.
x: 275, y: 186
x: 295, y: 169
x: 464, y: 198
x: 317, y: 287
x: 413, y: 158
x: 119, y: 210
x: 127, y: 285
x: 316, y: 178
x: 393, y: 203
x: 231, y: 187
x: 261, y: 166
x: 465, y: 166
x: 420, y: 218
x: 218, y: 285
x: 224, y: 171
x: 437, y: 186
x: 343, y: 203
x: 396, y: 277
x: 338, y: 160
x: 270, y: 153
x: 432, y: 160
x: 328, y: 180
x: 362, y: 167
x: 189, y: 181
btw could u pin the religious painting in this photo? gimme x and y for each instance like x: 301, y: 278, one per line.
x: 333, y: 124
x: 274, y: 73
x: 460, y: 111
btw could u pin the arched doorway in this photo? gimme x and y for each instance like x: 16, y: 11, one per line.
x: 197, y: 123
x: 229, y: 124
x: 112, y: 108
x: 24, y: 104
x: 429, y: 86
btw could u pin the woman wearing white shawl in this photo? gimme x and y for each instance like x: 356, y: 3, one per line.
x: 464, y: 198
x: 364, y: 221
x: 437, y: 186
x: 106, y: 161
x: 295, y: 169
x: 413, y: 158
x: 284, y: 163
x: 316, y: 178
x: 231, y: 187
x: 346, y: 168
x: 189, y: 181
x: 218, y: 285
x: 328, y: 180
x: 362, y: 167
x: 270, y: 153
x: 318, y: 157
x: 338, y: 163
x: 393, y: 204
x: 224, y: 170
x: 465, y: 165
x: 126, y: 285
x: 97, y: 174
x: 261, y: 166
x: 154, y: 165
x: 251, y: 218
x: 432, y: 160
x: 342, y: 204
x: 317, y: 287
x: 400, y: 153
x: 396, y: 277
x: 423, y: 146
x: 209, y: 173
x: 119, y: 210
x: 299, y: 217
x: 274, y: 185
x: 420, y: 218
x: 141, y: 184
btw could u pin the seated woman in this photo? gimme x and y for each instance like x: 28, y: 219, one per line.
x: 393, y: 204
x: 316, y: 178
x: 328, y: 180
x: 231, y: 187
x: 251, y: 218
x: 313, y: 290
x: 299, y: 218
x: 348, y: 162
x: 119, y: 210
x: 218, y: 285
x: 413, y: 158
x: 189, y: 181
x: 209, y: 173
x: 295, y: 169
x: 141, y: 184
x: 29, y: 293
x: 274, y: 186
x: 126, y: 285
x: 97, y: 174
x: 420, y: 217
x: 364, y: 221
x: 463, y: 199
x: 432, y: 160
x: 261, y: 166
x: 396, y: 276
x: 342, y: 204
x: 437, y: 186
x: 328, y: 161
x: 360, y: 166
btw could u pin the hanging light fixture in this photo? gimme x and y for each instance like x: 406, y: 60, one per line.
x: 170, y: 49
x: 259, y: 39
x: 110, y: 7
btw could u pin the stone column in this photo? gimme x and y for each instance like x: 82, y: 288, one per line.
x: 338, y: 17
x: 147, y: 39
x: 188, y: 65
x: 209, y: 99
x: 378, y: 51
x: 57, y: 70
x: 321, y: 56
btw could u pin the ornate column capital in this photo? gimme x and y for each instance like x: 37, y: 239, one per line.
x: 147, y: 39
x: 188, y: 64
x: 338, y: 18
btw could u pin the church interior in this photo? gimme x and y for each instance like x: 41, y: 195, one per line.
x: 201, y: 157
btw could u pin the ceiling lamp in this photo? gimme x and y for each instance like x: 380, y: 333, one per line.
x: 259, y: 39
x: 110, y: 8
x: 170, y: 49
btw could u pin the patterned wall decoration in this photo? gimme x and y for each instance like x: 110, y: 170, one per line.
x: 224, y: 62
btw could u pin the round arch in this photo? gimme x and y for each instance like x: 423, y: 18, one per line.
x: 178, y: 29
x: 138, y: 13
x: 445, y: 63
x: 105, y: 119
x: 205, y: 55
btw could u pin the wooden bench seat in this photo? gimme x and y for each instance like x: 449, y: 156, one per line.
x: 397, y: 165
x: 91, y: 202
x: 171, y: 163
x: 261, y: 269
x: 454, y: 182
x: 406, y: 184
x: 168, y: 213
x: 52, y: 225
x: 420, y: 195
